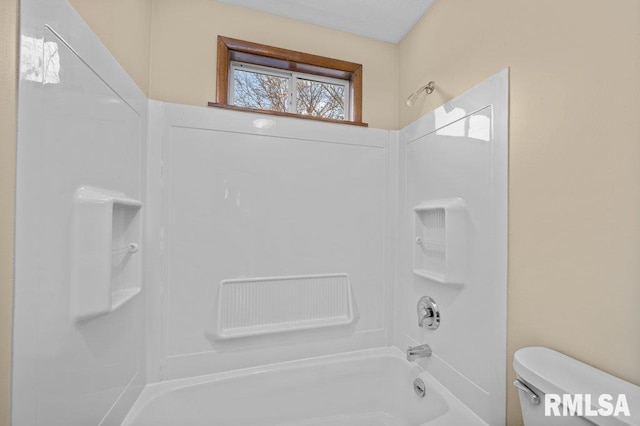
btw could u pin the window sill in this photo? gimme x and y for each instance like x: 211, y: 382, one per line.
x: 287, y: 114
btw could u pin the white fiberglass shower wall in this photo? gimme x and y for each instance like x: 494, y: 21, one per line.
x: 301, y: 203
x: 453, y: 242
x: 157, y: 241
x: 79, y: 336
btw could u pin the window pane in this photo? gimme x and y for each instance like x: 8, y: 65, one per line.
x: 260, y: 91
x: 320, y: 99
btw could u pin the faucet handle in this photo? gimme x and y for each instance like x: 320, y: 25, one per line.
x: 428, y: 313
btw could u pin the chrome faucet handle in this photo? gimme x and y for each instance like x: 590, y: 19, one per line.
x: 428, y: 313
x: 424, y: 314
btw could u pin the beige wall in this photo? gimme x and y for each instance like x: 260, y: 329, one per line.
x: 8, y: 85
x: 574, y: 209
x: 182, y: 65
x: 183, y: 52
x: 124, y: 28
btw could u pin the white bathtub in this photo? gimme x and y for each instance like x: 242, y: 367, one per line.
x: 366, y: 388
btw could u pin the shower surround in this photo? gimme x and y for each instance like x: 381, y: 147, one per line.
x: 165, y: 250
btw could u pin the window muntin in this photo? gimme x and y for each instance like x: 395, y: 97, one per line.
x: 258, y: 87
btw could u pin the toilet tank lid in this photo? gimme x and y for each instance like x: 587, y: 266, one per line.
x: 553, y: 372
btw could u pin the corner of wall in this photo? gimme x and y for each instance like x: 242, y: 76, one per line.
x: 124, y: 27
x: 396, y: 96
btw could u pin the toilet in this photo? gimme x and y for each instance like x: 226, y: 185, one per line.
x: 594, y: 395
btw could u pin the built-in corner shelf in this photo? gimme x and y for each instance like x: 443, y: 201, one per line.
x: 106, y: 264
x: 440, y: 241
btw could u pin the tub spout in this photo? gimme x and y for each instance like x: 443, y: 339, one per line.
x: 415, y: 352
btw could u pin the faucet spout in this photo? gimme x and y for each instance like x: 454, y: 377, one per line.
x: 421, y: 351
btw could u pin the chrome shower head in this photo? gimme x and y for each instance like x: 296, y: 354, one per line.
x: 429, y: 88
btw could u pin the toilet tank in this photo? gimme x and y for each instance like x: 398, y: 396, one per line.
x: 545, y: 371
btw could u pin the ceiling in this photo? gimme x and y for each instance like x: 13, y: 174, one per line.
x: 386, y: 20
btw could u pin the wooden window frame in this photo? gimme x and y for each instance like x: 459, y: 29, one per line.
x: 230, y: 49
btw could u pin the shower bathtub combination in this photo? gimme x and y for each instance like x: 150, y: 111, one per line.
x: 184, y: 265
x: 368, y: 388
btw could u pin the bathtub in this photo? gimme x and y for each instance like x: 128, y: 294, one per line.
x: 365, y: 388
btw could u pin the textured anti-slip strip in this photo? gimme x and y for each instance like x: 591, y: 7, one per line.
x: 248, y: 307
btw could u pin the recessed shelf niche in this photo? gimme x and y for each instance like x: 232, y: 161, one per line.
x: 250, y: 307
x: 440, y: 240
x: 106, y: 263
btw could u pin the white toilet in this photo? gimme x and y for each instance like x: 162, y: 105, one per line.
x: 543, y: 371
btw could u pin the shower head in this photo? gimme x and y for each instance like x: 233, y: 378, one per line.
x: 429, y: 88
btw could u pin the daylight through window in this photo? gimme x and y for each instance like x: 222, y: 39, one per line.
x: 265, y: 88
x: 260, y: 78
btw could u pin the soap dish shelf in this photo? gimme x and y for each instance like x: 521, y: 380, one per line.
x: 105, y: 263
x: 251, y: 307
x: 424, y: 273
x: 440, y: 241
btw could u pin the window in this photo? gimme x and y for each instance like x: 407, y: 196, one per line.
x: 251, y: 86
x: 271, y: 80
